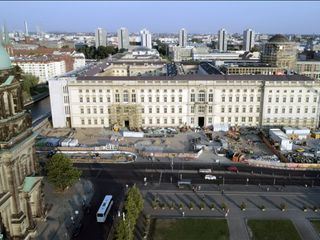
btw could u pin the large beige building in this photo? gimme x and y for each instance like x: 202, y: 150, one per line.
x: 20, y: 190
x: 194, y: 100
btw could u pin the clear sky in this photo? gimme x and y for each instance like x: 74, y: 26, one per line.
x: 166, y: 16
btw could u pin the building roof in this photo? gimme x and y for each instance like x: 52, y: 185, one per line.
x: 278, y: 38
x: 8, y: 81
x: 29, y: 183
x: 212, y: 77
x: 5, y: 62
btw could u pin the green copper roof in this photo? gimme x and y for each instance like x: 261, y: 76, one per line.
x: 29, y: 183
x: 5, y: 62
x: 8, y: 81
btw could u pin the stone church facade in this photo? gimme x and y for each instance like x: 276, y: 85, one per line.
x: 21, y: 197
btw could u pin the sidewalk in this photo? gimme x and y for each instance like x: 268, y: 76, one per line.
x: 67, y: 210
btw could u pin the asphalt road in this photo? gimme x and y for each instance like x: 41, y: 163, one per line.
x: 112, y: 178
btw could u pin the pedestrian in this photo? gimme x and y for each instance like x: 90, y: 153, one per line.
x: 182, y: 214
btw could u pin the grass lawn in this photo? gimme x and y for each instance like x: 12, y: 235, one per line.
x: 316, y: 224
x: 273, y: 230
x: 189, y: 229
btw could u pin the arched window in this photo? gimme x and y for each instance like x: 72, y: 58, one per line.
x: 201, y: 96
x: 125, y: 96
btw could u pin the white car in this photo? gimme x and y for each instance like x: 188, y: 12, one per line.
x: 210, y: 177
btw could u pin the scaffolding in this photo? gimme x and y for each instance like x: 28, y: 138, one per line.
x: 126, y: 115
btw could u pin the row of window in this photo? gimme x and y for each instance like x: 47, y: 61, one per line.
x: 238, y: 119
x: 291, y: 120
x: 133, y: 90
x: 237, y: 99
x: 200, y: 98
x: 94, y: 110
x: 286, y: 91
x: 165, y: 110
x: 244, y: 109
x: 291, y: 99
x: 298, y: 110
x: 238, y: 90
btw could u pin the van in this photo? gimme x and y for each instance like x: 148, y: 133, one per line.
x: 205, y: 170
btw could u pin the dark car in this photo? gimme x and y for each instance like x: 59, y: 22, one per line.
x: 233, y: 169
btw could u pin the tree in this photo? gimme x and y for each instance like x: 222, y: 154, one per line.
x: 97, y: 53
x: 61, y: 172
x: 29, y: 82
x: 123, y: 231
x: 132, y: 208
x: 196, y: 40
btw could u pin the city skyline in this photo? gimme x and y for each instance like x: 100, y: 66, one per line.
x: 214, y: 16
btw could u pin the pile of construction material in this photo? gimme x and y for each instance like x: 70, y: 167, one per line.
x: 302, y: 158
x: 269, y: 158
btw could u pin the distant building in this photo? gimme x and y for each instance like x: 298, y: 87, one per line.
x: 101, y: 37
x: 222, y: 40
x: 279, y: 52
x: 183, y: 37
x: 248, y: 39
x: 123, y: 38
x: 146, y: 39
x: 51, y: 44
x: 309, y: 68
x: 42, y: 67
x: 26, y: 31
x: 79, y: 60
x: 178, y: 53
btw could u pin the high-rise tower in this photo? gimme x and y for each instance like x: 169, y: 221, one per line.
x: 146, y: 40
x: 248, y: 39
x: 222, y: 40
x: 101, y: 37
x: 123, y: 38
x: 183, y: 37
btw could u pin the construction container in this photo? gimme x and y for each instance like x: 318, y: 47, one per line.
x: 224, y: 127
x: 132, y: 134
x: 285, y: 143
x: 297, y: 133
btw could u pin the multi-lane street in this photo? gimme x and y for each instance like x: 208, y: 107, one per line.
x: 165, y: 173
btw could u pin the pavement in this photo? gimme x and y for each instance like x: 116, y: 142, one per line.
x: 294, y: 197
x: 58, y: 223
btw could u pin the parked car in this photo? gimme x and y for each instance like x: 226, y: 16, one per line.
x: 210, y: 177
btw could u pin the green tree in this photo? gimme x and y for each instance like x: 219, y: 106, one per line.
x: 97, y: 53
x: 122, y: 231
x: 196, y: 40
x: 61, y: 172
x: 29, y: 82
x: 133, y: 205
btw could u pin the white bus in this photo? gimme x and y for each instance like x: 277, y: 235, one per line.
x: 104, y: 208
